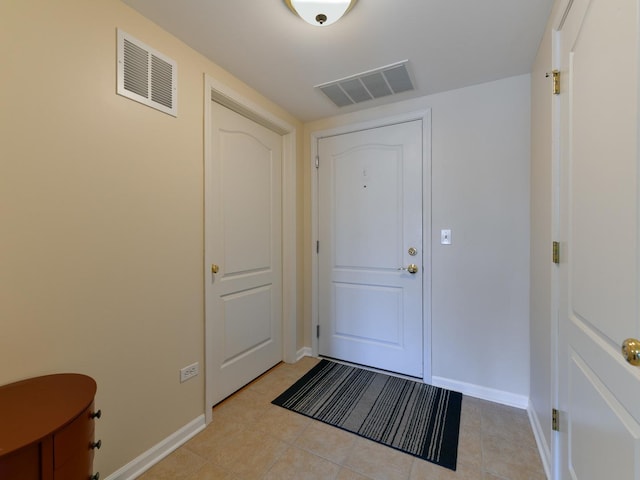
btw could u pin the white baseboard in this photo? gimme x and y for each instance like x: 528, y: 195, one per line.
x: 485, y: 393
x: 543, y: 446
x: 304, y: 352
x: 144, y: 462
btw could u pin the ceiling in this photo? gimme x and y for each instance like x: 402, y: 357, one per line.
x: 449, y: 44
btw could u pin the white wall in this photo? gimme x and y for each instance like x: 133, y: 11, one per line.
x: 480, y: 190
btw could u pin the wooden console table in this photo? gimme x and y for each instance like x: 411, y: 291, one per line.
x: 47, y: 428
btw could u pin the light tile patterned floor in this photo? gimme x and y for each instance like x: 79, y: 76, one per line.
x: 250, y: 439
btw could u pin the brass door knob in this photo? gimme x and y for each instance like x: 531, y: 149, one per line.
x: 413, y: 268
x: 631, y: 351
x: 215, y: 268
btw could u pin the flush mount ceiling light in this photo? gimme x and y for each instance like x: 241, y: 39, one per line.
x: 320, y: 13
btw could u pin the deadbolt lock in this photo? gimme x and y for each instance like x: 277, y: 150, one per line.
x: 413, y: 252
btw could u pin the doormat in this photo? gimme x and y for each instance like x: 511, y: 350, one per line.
x: 415, y: 418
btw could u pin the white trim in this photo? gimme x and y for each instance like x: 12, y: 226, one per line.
x: 221, y: 93
x: 315, y: 235
x: 228, y: 97
x: 543, y: 447
x: 425, y: 117
x: 304, y: 352
x: 484, y: 393
x: 556, y: 180
x: 148, y: 459
x: 427, y: 246
x: 560, y: 13
x: 289, y: 248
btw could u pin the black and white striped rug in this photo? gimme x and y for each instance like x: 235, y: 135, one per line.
x: 413, y: 417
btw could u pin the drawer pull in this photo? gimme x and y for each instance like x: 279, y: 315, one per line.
x: 97, y: 414
x: 96, y: 476
x: 95, y: 445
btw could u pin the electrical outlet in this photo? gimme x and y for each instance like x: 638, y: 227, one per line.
x: 189, y: 371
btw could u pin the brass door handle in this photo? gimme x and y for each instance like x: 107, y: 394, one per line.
x: 631, y: 351
x: 413, y: 268
x: 215, y: 268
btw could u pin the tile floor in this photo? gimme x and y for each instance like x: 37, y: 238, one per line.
x: 251, y: 439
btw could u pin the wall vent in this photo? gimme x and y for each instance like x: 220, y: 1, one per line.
x: 146, y: 75
x: 365, y: 86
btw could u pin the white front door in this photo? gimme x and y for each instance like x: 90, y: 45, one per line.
x: 599, y: 392
x: 370, y: 232
x: 243, y: 250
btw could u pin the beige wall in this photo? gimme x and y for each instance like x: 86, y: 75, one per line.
x: 480, y: 190
x: 101, y: 218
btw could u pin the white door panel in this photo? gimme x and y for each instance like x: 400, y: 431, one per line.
x: 368, y: 204
x: 247, y: 202
x: 247, y: 317
x: 370, y: 215
x: 606, y: 362
x: 599, y: 268
x: 356, y: 304
x: 243, y: 238
x: 604, y: 175
x: 594, y: 409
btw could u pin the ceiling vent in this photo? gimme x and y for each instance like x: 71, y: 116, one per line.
x: 147, y: 76
x: 369, y: 85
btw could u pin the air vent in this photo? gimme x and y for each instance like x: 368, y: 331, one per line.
x: 146, y: 76
x: 369, y: 85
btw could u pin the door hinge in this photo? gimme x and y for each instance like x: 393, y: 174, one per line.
x: 555, y: 421
x: 317, y: 246
x: 317, y: 161
x: 556, y: 253
x: 556, y: 82
x: 317, y: 331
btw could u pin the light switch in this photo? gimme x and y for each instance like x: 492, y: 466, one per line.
x: 445, y: 237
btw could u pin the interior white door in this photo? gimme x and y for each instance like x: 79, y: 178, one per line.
x: 370, y: 233
x: 243, y: 250
x: 599, y: 392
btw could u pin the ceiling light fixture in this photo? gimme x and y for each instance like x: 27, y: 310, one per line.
x: 320, y: 13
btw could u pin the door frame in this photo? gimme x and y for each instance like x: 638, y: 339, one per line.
x: 558, y: 350
x: 315, y: 136
x: 226, y: 96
